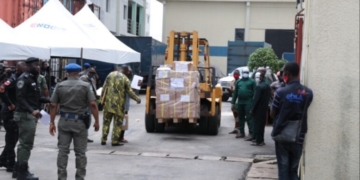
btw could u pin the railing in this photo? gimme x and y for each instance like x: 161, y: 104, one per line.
x: 129, y: 28
x: 137, y: 29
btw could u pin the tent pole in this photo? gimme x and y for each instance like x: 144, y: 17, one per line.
x: 81, y: 59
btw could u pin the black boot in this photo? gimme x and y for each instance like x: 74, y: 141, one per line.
x: 2, y: 163
x: 10, y: 166
x: 24, y: 174
x: 16, y: 167
x: 3, y: 160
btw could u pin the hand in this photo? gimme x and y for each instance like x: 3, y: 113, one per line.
x: 140, y: 83
x: 7, y: 70
x: 139, y: 102
x: 52, y: 129
x: 232, y: 107
x: 37, y: 114
x: 96, y: 126
x: 11, y: 107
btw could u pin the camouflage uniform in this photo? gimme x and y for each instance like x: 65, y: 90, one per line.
x: 42, y: 82
x: 116, y: 87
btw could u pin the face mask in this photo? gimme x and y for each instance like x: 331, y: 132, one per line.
x: 257, y: 80
x: 236, y: 76
x: 286, y: 79
x: 245, y: 75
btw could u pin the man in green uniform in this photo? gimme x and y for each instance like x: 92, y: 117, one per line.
x: 259, y: 109
x: 90, y: 78
x: 236, y: 75
x: 26, y: 114
x: 244, y: 92
x: 43, y: 86
x: 73, y: 96
x: 113, y: 96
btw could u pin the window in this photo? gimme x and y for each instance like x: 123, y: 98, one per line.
x: 107, y: 5
x: 239, y: 34
x: 125, y: 9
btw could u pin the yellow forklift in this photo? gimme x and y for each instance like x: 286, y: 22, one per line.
x: 186, y: 46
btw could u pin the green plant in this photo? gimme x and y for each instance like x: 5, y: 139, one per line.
x: 264, y: 57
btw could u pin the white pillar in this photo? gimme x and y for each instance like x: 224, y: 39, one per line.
x: 164, y: 36
x: 247, y: 21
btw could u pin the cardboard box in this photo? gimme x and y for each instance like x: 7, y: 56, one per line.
x: 165, y: 98
x: 183, y: 66
x: 163, y: 72
x: 191, y: 79
x: 159, y: 83
x: 191, y: 110
x: 186, y: 95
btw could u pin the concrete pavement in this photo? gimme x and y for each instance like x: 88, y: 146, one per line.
x: 176, y: 154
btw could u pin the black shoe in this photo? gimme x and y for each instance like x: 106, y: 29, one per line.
x: 103, y: 143
x: 90, y: 141
x: 24, y: 174
x: 2, y: 163
x: 14, y: 174
x: 118, y: 144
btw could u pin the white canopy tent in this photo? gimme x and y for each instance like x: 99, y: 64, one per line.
x: 54, y: 26
x: 14, y: 48
x: 113, y: 49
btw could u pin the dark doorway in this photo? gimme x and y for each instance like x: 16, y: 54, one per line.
x: 281, y: 40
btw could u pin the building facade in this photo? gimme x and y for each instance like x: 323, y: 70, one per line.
x: 221, y: 21
x: 123, y: 17
x: 330, y: 66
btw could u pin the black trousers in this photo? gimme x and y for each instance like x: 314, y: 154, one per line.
x: 259, y: 125
x: 11, y: 137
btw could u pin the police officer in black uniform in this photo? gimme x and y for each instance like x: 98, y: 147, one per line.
x: 8, y: 98
x: 27, y: 113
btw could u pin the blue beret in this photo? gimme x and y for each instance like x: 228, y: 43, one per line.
x: 87, y: 65
x: 72, y: 67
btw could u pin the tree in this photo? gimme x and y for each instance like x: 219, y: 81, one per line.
x: 264, y: 57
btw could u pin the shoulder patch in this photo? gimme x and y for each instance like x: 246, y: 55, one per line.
x: 20, y: 84
x: 7, y: 83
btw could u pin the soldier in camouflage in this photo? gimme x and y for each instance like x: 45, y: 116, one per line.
x: 114, y: 92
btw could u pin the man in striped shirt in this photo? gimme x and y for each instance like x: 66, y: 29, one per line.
x: 289, y: 104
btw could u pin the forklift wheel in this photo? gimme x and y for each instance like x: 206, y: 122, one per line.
x: 150, y: 123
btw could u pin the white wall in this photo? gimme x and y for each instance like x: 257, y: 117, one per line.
x: 107, y: 18
x: 147, y: 17
x: 270, y: 16
x: 217, y: 21
x: 331, y: 69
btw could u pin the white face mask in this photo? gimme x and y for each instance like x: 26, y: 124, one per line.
x: 257, y: 80
x: 245, y: 75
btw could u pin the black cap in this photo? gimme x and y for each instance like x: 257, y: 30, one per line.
x: 31, y: 60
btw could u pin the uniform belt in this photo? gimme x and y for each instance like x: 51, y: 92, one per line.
x: 71, y: 116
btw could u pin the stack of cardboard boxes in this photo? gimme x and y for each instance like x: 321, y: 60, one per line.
x: 177, y: 92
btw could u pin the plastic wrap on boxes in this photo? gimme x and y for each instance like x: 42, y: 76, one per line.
x: 165, y: 98
x: 183, y: 66
x: 163, y: 72
x: 177, y: 93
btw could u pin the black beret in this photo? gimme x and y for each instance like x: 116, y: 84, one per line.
x: 31, y: 60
